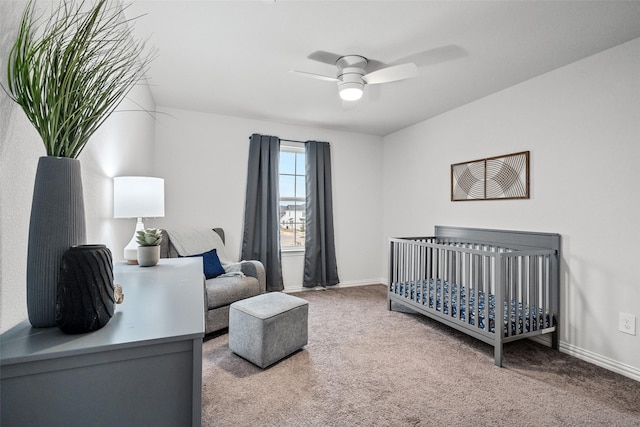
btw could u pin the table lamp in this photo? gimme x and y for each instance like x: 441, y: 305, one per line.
x: 137, y: 197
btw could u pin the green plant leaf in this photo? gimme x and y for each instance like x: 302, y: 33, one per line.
x: 149, y: 237
x: 70, y: 73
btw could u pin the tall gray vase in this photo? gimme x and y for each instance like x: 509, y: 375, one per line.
x: 57, y: 223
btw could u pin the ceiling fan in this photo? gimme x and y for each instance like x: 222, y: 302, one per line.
x: 352, y: 73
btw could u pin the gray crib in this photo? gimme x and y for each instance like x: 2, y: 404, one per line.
x: 469, y: 278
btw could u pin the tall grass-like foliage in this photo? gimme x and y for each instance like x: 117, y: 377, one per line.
x: 70, y: 71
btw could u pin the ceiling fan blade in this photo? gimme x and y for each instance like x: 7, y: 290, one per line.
x: 375, y: 65
x: 391, y: 74
x: 316, y: 76
x: 433, y: 56
x: 324, y: 57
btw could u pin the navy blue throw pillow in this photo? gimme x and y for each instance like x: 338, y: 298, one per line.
x: 211, y: 263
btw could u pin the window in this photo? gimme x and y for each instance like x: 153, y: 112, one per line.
x: 292, y: 196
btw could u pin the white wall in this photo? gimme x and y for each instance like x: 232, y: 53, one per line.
x: 123, y: 145
x: 203, y: 158
x: 581, y: 124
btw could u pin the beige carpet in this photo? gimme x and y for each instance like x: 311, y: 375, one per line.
x: 367, y: 366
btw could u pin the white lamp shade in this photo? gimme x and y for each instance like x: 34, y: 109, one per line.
x: 138, y: 197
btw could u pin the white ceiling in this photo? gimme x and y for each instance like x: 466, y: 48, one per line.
x: 234, y: 57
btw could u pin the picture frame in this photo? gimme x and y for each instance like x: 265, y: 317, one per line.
x: 504, y: 177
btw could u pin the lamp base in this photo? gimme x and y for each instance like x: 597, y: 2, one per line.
x: 131, y: 250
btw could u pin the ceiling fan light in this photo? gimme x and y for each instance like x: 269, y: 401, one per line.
x: 351, y: 91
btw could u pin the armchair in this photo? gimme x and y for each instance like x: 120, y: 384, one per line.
x: 247, y: 281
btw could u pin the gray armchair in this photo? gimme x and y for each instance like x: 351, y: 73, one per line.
x: 221, y: 291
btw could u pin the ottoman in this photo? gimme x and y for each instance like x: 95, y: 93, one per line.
x: 268, y: 327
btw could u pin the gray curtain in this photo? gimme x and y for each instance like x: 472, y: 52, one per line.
x: 320, y: 268
x: 261, y: 238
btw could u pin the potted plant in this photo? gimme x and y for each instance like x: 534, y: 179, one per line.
x: 149, y: 240
x: 68, y: 71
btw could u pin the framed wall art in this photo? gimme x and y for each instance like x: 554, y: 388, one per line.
x: 494, y: 178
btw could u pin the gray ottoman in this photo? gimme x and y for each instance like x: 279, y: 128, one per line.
x: 265, y: 328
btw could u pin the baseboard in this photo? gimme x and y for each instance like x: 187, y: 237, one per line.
x: 596, y: 359
x: 349, y: 284
x: 602, y: 361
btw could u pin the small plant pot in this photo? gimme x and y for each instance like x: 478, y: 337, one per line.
x: 148, y: 256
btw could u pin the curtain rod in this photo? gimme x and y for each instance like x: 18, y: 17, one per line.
x: 301, y: 142
x: 289, y: 140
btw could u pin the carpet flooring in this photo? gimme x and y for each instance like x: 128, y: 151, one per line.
x: 367, y: 366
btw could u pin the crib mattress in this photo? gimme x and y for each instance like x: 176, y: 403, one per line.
x: 444, y: 298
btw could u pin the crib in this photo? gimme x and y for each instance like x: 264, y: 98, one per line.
x: 469, y: 279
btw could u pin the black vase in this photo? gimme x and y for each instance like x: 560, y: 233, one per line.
x: 85, y: 300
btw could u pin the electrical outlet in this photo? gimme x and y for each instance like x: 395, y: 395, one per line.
x: 627, y: 323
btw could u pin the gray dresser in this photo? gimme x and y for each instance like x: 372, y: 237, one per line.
x: 143, y: 368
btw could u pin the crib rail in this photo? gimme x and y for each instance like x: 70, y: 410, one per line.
x: 474, y: 286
